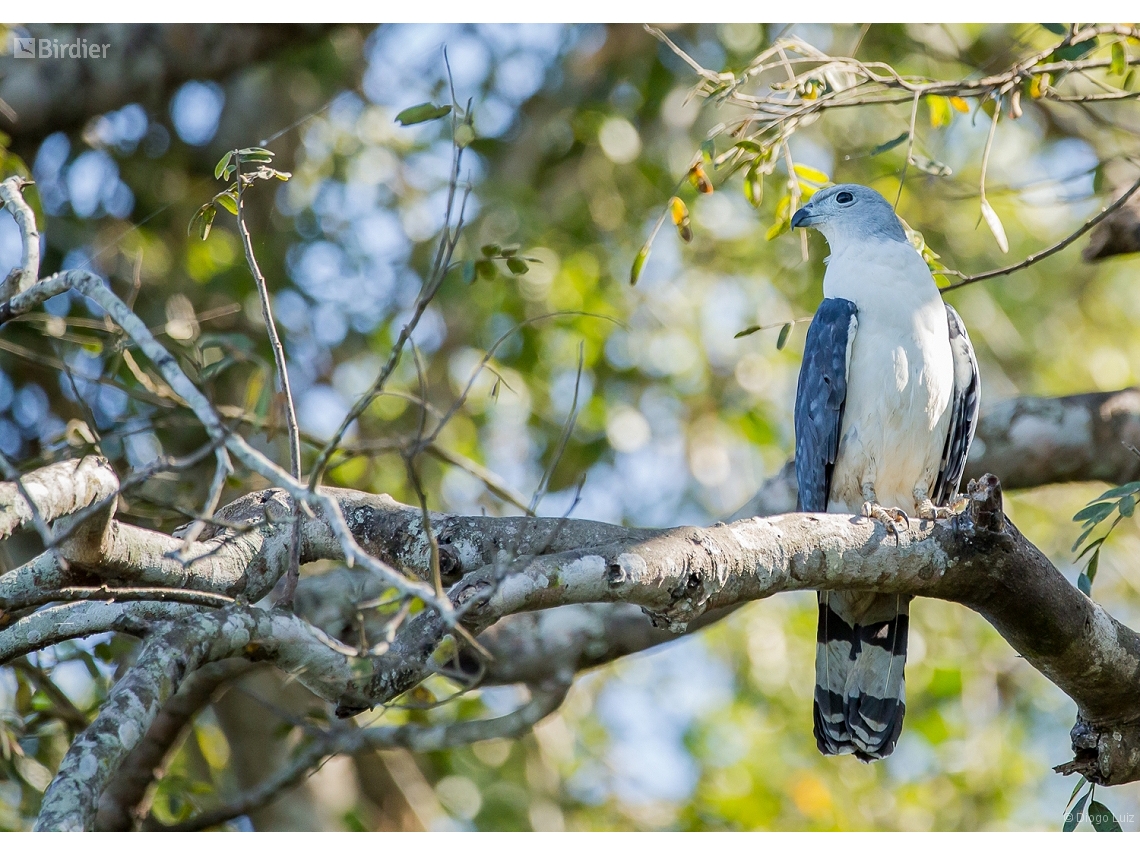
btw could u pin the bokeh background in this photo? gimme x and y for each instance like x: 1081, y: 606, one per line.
x: 582, y: 134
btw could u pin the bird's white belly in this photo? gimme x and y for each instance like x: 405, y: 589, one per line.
x: 897, y: 413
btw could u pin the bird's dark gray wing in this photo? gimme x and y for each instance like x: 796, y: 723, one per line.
x: 820, y: 397
x: 964, y: 403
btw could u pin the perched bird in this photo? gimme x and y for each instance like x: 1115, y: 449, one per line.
x: 886, y: 408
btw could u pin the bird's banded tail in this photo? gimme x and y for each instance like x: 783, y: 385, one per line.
x: 859, y: 658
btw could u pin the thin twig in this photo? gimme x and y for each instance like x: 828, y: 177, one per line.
x: 909, y: 149
x: 448, y: 240
x: 224, y: 467
x: 1106, y: 211
x: 564, y: 436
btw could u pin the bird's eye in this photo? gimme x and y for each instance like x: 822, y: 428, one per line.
x: 844, y: 197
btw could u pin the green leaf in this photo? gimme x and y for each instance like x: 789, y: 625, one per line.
x: 1084, y: 584
x: 255, y: 155
x: 1094, y: 513
x: 1057, y: 29
x: 1123, y: 490
x: 1119, y: 61
x: 785, y: 330
x: 1102, y: 818
x: 228, y: 200
x: 809, y: 174
x: 748, y: 331
x: 485, y: 269
x: 422, y: 113
x: 204, y: 217
x: 1069, y: 53
x: 777, y: 229
x: 889, y: 144
x: 215, y: 368
x: 220, y: 169
x: 517, y: 266
x: 1076, y: 790
x: 490, y: 250
x: 1092, y: 545
x: 708, y: 150
x: 1090, y: 570
x: 751, y: 146
x: 1127, y: 506
x: 992, y: 220
x: 638, y: 263
x: 1074, y: 816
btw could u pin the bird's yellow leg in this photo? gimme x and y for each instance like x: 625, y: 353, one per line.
x: 890, y: 517
x: 927, y: 510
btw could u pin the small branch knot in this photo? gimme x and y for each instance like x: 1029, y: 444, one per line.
x: 985, y: 504
x: 1105, y: 754
x: 450, y: 567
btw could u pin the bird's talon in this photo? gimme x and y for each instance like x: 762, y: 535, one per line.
x: 927, y: 510
x: 889, y: 517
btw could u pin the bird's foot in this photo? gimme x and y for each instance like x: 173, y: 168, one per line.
x: 892, y: 518
x: 927, y: 510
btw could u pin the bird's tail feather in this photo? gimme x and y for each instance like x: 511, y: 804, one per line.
x: 859, y: 689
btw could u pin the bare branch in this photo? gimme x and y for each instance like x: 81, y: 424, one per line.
x: 25, y: 276
x: 270, y: 327
x: 1106, y: 211
x: 77, y: 620
x: 55, y: 491
x: 448, y: 240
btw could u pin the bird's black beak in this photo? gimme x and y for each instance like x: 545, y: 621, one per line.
x: 803, y: 217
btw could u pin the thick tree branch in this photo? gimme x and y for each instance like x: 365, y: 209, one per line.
x: 1031, y: 442
x: 120, y: 803
x: 56, y: 490
x: 327, y: 669
x: 78, y: 620
x: 980, y: 560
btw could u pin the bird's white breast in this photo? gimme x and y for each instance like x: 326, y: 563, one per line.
x: 900, y: 375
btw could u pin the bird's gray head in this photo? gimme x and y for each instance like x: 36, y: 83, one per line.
x: 848, y: 212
